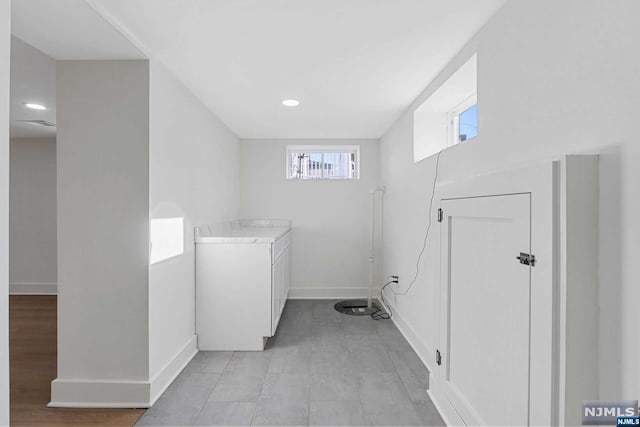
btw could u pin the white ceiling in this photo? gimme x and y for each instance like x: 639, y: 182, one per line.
x: 69, y: 29
x: 355, y: 65
x: 33, y: 80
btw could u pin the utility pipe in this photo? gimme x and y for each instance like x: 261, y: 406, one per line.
x: 378, y: 189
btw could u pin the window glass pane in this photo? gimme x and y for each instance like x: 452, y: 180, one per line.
x: 337, y: 165
x: 322, y: 164
x: 468, y: 123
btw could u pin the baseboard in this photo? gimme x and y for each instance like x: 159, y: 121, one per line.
x: 329, y: 293
x: 425, y: 354
x: 67, y: 393
x: 165, y: 376
x: 20, y: 288
x: 440, y: 401
x: 73, y: 393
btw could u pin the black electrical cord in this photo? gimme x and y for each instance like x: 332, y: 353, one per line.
x: 426, y: 236
x: 381, y: 314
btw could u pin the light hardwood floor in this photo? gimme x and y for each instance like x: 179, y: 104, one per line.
x: 33, y: 353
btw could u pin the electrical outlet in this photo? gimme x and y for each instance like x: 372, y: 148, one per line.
x: 394, y: 279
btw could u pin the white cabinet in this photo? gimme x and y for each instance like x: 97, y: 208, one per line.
x: 518, y: 296
x: 242, y: 283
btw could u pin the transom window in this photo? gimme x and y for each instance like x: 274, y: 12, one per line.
x: 323, y: 162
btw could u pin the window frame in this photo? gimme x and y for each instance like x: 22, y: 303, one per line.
x: 454, y: 119
x: 322, y: 149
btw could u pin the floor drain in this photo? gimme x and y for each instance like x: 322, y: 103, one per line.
x: 355, y: 307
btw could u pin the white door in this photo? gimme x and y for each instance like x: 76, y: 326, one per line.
x: 485, y: 296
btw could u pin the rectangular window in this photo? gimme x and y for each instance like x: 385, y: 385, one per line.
x: 323, y: 162
x: 449, y: 115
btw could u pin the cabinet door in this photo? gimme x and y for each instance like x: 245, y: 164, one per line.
x: 485, y: 308
x: 277, y: 291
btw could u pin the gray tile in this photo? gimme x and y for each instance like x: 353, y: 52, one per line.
x: 382, y: 388
x: 333, y: 362
x: 291, y: 354
x: 190, y: 383
x: 182, y: 401
x: 226, y: 414
x: 413, y: 374
x: 371, y: 358
x: 281, y: 413
x: 328, y: 336
x: 394, y: 342
x: 364, y: 339
x: 171, y: 411
x: 323, y: 312
x: 334, y: 387
x: 299, y: 305
x: 209, y: 362
x: 237, y: 388
x: 249, y: 363
x: 429, y: 415
x: 286, y: 387
x: 356, y: 325
x: 345, y: 413
x: 390, y: 414
x: 296, y: 322
x: 353, y: 370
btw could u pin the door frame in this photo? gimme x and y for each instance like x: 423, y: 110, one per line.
x: 542, y: 182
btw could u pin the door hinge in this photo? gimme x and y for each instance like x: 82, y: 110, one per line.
x: 527, y: 259
x: 438, y: 358
x: 440, y: 215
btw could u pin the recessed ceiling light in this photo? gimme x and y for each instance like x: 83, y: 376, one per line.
x: 290, y: 102
x: 35, y: 106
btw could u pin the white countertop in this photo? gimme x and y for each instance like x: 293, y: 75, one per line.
x: 242, y: 232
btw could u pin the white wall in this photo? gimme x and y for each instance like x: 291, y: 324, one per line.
x: 32, y: 235
x: 553, y: 78
x: 103, y: 233
x: 5, y: 39
x: 193, y: 166
x: 330, y: 218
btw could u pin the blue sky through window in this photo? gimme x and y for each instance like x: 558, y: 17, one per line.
x: 468, y: 122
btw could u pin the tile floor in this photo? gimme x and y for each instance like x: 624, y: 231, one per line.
x: 322, y: 368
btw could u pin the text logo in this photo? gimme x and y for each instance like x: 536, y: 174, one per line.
x: 596, y: 412
x: 628, y: 421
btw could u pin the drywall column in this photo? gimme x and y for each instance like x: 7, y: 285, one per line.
x: 5, y: 37
x: 103, y: 234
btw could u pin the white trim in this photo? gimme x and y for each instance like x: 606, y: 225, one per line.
x: 78, y: 393
x: 71, y: 393
x: 20, y: 288
x: 329, y: 293
x: 442, y: 404
x: 165, y: 376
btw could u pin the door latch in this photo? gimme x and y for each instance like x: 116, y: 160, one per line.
x: 527, y: 259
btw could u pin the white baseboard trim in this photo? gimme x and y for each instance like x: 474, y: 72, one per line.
x: 71, y: 393
x: 329, y: 293
x: 440, y: 401
x: 22, y: 288
x: 165, y: 376
x: 423, y: 351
